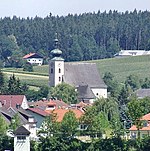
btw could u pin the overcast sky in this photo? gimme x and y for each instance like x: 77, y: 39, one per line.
x: 42, y: 8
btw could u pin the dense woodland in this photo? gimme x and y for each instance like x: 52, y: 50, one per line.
x: 81, y: 37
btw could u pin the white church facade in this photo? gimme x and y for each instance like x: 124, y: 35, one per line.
x: 84, y: 77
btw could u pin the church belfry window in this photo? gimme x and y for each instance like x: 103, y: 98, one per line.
x: 59, y: 70
x: 59, y: 78
x: 51, y: 70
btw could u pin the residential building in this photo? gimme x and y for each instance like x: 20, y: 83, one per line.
x: 144, y: 131
x: 14, y: 101
x: 34, y: 58
x: 127, y: 53
x: 142, y: 93
x: 21, y: 139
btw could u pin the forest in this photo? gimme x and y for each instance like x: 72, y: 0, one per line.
x: 87, y: 36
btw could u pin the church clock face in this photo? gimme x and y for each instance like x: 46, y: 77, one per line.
x: 59, y: 64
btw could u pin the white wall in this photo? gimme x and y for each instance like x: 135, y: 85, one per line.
x: 56, y: 77
x: 101, y: 92
x: 38, y: 61
x: 24, y: 104
x: 21, y: 145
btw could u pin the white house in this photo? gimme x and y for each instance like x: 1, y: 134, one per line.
x: 21, y: 139
x: 34, y: 58
x: 125, y: 53
x: 84, y: 77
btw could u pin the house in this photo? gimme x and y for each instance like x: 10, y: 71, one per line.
x: 14, y: 101
x: 38, y: 114
x: 34, y: 58
x: 126, y: 53
x: 21, y: 139
x: 144, y: 131
x: 61, y: 112
x: 83, y: 76
x: 49, y: 104
x: 142, y: 93
x: 42, y: 108
x: 25, y: 119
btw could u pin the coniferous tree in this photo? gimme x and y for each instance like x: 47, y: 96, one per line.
x: 14, y: 85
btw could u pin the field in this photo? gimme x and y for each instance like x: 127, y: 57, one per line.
x: 123, y: 67
x: 120, y: 67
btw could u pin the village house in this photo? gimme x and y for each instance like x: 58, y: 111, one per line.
x: 14, y: 101
x: 34, y: 58
x: 83, y: 76
x: 42, y: 108
x: 142, y: 93
x: 144, y: 131
x: 11, y: 105
x: 127, y: 53
x: 21, y: 139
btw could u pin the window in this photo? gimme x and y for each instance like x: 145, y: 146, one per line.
x: 59, y: 70
x: 145, y: 123
x: 21, y: 137
x: 96, y: 93
x: 59, y: 78
x: 51, y: 70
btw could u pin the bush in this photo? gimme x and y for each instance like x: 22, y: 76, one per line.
x: 28, y: 67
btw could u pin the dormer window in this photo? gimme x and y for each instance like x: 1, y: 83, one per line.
x: 145, y: 123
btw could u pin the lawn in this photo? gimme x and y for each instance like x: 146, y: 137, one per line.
x: 119, y: 67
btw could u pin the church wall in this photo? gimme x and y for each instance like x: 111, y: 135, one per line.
x: 56, y: 72
x: 100, y: 92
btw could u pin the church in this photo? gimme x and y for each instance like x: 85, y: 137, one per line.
x: 83, y: 76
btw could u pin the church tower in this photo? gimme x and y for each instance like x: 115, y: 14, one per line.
x: 56, y: 66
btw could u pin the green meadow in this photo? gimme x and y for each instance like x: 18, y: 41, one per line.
x: 119, y: 67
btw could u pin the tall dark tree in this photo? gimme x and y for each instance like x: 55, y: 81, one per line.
x: 14, y: 85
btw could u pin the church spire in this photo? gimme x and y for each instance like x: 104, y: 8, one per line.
x: 56, y: 41
x: 56, y: 53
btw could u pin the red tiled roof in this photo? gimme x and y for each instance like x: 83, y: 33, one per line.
x: 146, y: 117
x: 51, y: 103
x: 61, y: 112
x: 134, y: 128
x: 28, y: 55
x: 38, y: 111
x: 44, y: 103
x: 11, y: 100
x: 82, y: 104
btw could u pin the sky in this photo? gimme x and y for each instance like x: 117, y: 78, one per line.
x: 42, y: 8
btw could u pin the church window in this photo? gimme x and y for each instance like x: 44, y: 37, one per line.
x: 59, y: 78
x: 51, y: 70
x: 59, y: 70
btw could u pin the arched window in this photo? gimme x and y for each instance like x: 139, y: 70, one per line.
x: 59, y: 78
x: 59, y: 70
x: 51, y: 70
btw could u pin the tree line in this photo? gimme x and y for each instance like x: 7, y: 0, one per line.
x: 81, y: 37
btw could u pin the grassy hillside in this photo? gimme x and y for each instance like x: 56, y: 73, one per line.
x: 120, y: 67
x: 123, y: 67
